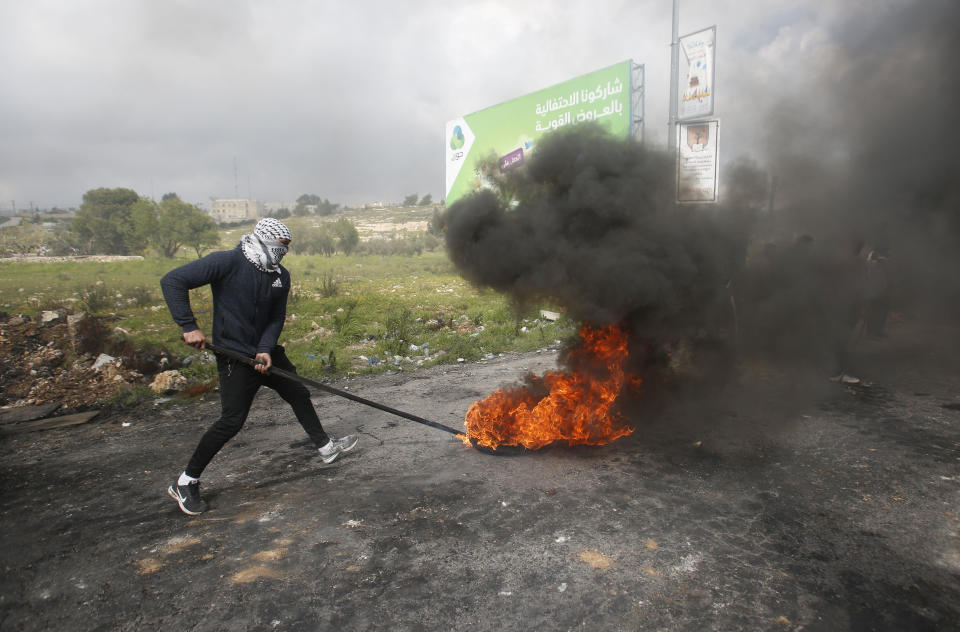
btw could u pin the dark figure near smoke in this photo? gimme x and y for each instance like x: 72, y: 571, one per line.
x: 846, y: 301
x: 250, y: 290
x: 877, y: 293
x: 803, y: 305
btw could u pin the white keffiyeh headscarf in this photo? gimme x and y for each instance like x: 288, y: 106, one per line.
x: 262, y: 248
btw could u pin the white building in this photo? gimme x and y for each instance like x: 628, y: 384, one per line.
x: 222, y: 210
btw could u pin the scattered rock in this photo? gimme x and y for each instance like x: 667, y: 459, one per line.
x: 110, y: 373
x: 168, y: 382
x: 103, y: 360
x: 50, y: 317
x: 47, y: 357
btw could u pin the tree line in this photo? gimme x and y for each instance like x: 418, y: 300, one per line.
x: 312, y: 204
x: 411, y: 200
x: 327, y: 239
x: 121, y: 222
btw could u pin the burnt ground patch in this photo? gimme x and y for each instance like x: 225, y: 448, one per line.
x: 750, y: 510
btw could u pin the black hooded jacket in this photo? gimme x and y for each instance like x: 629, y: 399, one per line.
x: 249, y: 306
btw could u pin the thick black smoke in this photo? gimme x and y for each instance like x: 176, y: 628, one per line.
x: 589, y: 223
x: 779, y: 268
x: 879, y: 162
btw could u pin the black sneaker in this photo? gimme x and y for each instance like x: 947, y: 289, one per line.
x: 188, y: 497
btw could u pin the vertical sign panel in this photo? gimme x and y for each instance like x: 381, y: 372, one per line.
x: 697, y: 91
x: 697, y: 162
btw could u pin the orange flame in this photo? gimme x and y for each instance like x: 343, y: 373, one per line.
x: 574, y: 407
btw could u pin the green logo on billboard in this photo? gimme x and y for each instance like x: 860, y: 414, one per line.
x: 456, y: 140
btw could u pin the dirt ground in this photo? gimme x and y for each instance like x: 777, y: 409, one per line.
x: 772, y: 504
x: 53, y: 359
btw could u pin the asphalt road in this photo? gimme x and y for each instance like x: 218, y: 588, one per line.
x: 773, y: 504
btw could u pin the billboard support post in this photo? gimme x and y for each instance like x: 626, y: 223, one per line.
x: 674, y: 80
x: 638, y: 83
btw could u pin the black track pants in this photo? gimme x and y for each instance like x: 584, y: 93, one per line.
x: 239, y: 384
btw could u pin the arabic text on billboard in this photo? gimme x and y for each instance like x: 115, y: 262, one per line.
x: 510, y: 131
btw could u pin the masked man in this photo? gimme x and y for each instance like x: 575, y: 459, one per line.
x: 250, y: 290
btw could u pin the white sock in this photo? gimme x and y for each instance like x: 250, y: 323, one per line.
x: 186, y: 480
x: 327, y: 445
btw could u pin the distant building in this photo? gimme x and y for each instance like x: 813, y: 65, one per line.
x: 271, y: 208
x: 235, y: 210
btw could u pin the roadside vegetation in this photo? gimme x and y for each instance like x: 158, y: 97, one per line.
x: 358, y: 304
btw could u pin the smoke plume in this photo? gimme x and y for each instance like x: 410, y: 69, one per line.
x: 590, y: 224
x: 878, y: 162
x: 779, y: 268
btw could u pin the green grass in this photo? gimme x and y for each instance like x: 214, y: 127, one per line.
x: 383, y: 306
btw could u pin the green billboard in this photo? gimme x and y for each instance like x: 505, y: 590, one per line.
x: 510, y: 131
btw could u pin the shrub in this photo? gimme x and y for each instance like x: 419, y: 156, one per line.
x: 329, y: 286
x: 142, y: 295
x: 97, y: 298
x: 129, y: 396
x: 459, y: 346
x: 346, y: 324
x: 297, y: 297
x: 397, y: 334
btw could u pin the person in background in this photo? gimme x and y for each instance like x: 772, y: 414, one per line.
x: 846, y: 289
x: 250, y: 290
x: 877, y: 295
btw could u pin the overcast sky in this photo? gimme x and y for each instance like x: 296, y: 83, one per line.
x: 272, y: 99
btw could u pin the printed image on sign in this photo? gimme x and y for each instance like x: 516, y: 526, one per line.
x: 697, y: 162
x: 508, y: 132
x: 696, y: 98
x: 460, y: 140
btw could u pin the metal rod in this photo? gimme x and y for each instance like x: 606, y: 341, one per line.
x: 229, y: 353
